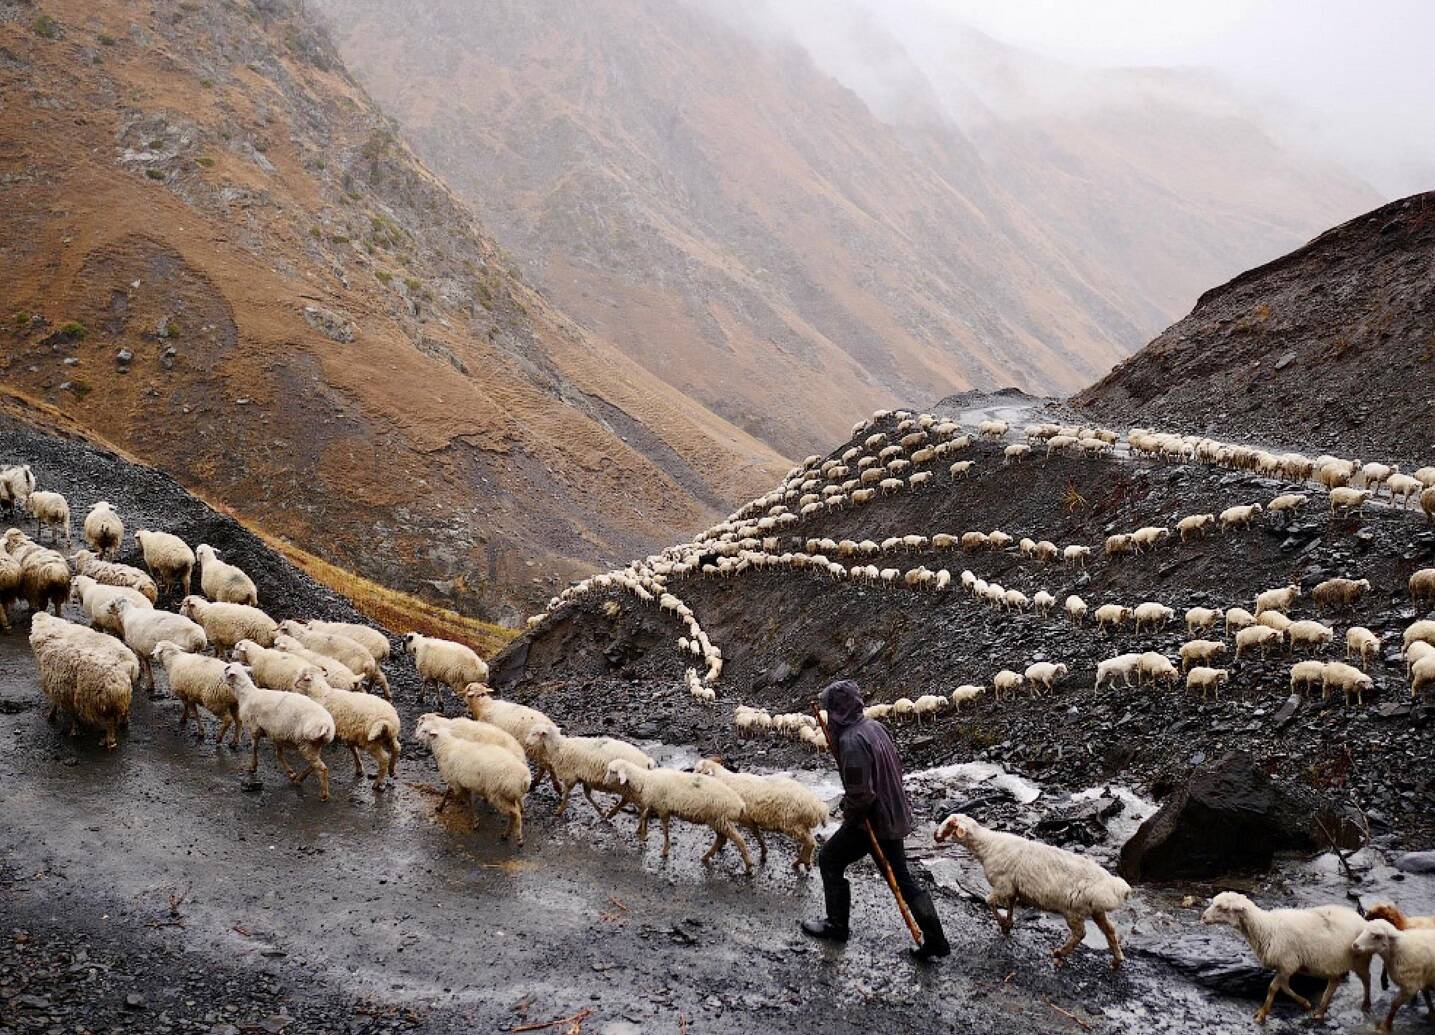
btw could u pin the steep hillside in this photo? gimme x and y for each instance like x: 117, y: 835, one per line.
x: 733, y: 216
x: 221, y: 257
x: 1329, y: 347
x: 784, y: 632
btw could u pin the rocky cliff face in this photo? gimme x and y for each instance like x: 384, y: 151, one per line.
x: 222, y: 257
x: 1331, y: 347
x: 793, y: 251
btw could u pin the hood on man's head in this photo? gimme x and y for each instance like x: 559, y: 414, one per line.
x: 843, y: 701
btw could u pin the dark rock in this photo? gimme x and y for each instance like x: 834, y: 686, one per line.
x: 1226, y: 817
x: 1416, y: 862
x: 1217, y: 959
x: 124, y: 357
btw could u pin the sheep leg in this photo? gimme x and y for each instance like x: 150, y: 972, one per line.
x: 224, y: 724
x: 665, y: 818
x: 238, y: 728
x: 359, y: 766
x: 737, y: 840
x: 1109, y: 929
x: 312, y: 752
x: 643, y: 825
x: 284, y: 762
x: 1285, y: 985
x: 588, y: 793
x: 1325, y: 997
x: 1362, y: 971
x: 443, y: 802
x: 110, y: 740
x: 563, y: 793
x: 394, y: 751
x: 1401, y: 998
x: 1003, y: 922
x: 608, y: 816
x: 717, y: 845
x: 1078, y: 932
x: 761, y: 844
x: 807, y: 845
x: 515, y: 824
x: 380, y: 754
x: 1429, y: 1004
x: 254, y: 737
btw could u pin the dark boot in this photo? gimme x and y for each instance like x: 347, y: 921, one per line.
x: 838, y: 895
x: 934, y: 942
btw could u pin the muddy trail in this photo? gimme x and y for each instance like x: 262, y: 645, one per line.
x: 154, y: 889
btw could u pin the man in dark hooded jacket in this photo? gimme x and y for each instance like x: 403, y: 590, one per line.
x: 872, y: 793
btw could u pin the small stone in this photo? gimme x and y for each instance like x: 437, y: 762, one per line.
x: 134, y: 1001
x: 124, y: 356
x: 1285, y: 361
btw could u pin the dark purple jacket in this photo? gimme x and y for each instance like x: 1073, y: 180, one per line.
x: 868, y: 761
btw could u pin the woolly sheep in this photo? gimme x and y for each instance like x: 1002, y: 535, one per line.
x: 1006, y: 680
x: 1194, y: 526
x: 1409, y: 958
x: 11, y: 588
x: 110, y: 574
x: 1306, y: 674
x: 1043, y: 602
x: 583, y: 761
x: 1119, y: 544
x: 1207, y: 679
x: 88, y: 682
x: 1347, y: 678
x: 1201, y: 618
x: 777, y: 804
x: 1238, y: 618
x: 360, y: 721
x: 1422, y: 674
x: 517, y: 719
x: 1075, y: 608
x: 1200, y: 651
x: 167, y: 557
x: 1427, y: 504
x: 1422, y: 585
x: 961, y: 468
x: 1421, y: 630
x: 287, y: 719
x: 1261, y: 636
x: 145, y: 627
x: 965, y: 692
x: 355, y: 655
x: 1146, y: 538
x: 1122, y: 665
x: 44, y: 580
x: 222, y: 581
x: 1309, y: 633
x: 478, y: 733
x: 468, y: 768
x: 1319, y: 942
x: 104, y: 530
x: 1361, y: 642
x: 928, y: 704
x: 1275, y: 620
x: 94, y: 600
x: 1044, y: 673
x: 272, y: 668
x: 690, y: 796
x: 1076, y: 555
x: 1277, y: 599
x: 16, y: 484
x: 1339, y: 593
x: 1014, y: 452
x: 49, y: 510
x: 1113, y: 615
x: 1152, y: 615
x: 1153, y: 666
x: 1044, y: 877
x: 1045, y: 551
x: 1239, y: 517
x: 335, y: 672
x: 1346, y: 499
x: 198, y: 681
x: 1414, y: 652
x: 44, y: 627
x: 993, y: 429
x: 226, y: 624
x: 1404, y: 488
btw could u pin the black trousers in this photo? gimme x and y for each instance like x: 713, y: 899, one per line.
x: 850, y: 844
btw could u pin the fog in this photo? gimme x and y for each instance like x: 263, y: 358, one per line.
x: 1350, y: 82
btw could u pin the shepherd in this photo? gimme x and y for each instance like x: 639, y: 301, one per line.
x: 876, y: 816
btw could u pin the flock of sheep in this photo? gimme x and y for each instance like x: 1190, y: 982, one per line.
x: 765, y: 535
x: 306, y: 684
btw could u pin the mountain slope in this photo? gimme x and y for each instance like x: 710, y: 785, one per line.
x: 717, y: 203
x: 1329, y: 347
x: 220, y: 257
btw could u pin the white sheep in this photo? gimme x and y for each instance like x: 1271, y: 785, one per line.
x: 1347, y: 678
x: 222, y: 581
x: 1154, y: 667
x: 108, y: 573
x: 104, y: 530
x: 1262, y: 636
x: 1424, y: 629
x: 1075, y: 609
x: 371, y: 639
x: 353, y: 654
x: 1346, y: 499
x: 1113, y: 615
x: 1207, y: 679
x: 444, y: 662
x: 1152, y: 615
x: 468, y: 768
x: 44, y: 579
x: 1198, y: 618
x: 993, y: 429
x: 1239, y: 517
x: 336, y: 672
x: 1201, y: 651
x: 1044, y: 877
x: 1277, y: 599
x: 94, y: 600
x: 49, y: 510
x: 1307, y: 673
x: 1044, y: 674
x: 226, y: 624
x: 360, y: 721
x: 16, y: 484
x: 1194, y: 526
x: 583, y: 761
x: 1042, y: 602
x: 777, y: 804
x: 1006, y: 680
x: 1318, y: 941
x: 145, y: 627
x: 517, y: 719
x: 1309, y: 633
x: 1076, y: 555
x: 965, y: 692
x: 89, y: 682
x: 1409, y: 958
x: 478, y: 733
x: 1237, y: 618
x: 167, y: 557
x: 1422, y: 585
x: 198, y: 680
x: 1144, y: 539
x: 286, y: 719
x: 1362, y: 643
x: 1122, y: 665
x: 690, y: 796
x: 11, y: 587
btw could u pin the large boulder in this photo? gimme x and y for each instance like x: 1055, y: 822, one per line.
x: 1230, y: 816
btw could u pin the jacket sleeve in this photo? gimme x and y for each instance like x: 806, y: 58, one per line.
x: 858, y: 794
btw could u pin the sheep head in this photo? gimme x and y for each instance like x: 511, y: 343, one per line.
x: 957, y: 827
x: 1229, y: 907
x: 1378, y: 938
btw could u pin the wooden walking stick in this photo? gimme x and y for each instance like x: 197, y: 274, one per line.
x: 877, y: 853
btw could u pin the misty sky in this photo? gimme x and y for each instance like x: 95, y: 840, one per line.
x: 1352, y: 80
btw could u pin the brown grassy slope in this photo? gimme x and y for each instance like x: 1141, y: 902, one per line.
x: 207, y: 179
x: 735, y: 218
x: 1331, y: 347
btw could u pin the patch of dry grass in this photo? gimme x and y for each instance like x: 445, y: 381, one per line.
x: 394, y: 610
